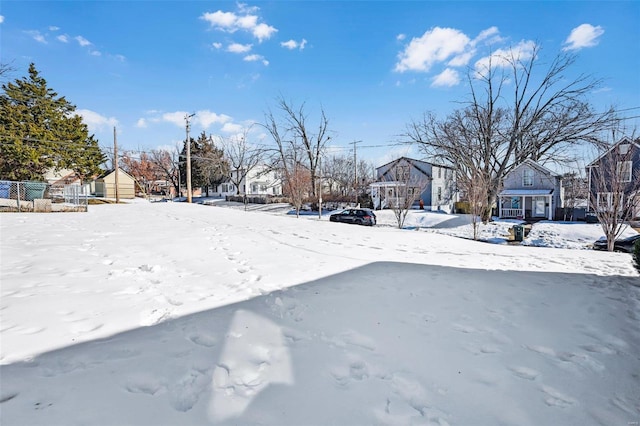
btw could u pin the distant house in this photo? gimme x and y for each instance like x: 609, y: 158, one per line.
x: 625, y: 180
x: 436, y: 183
x: 530, y: 191
x: 105, y: 185
x: 61, y: 177
x: 259, y: 181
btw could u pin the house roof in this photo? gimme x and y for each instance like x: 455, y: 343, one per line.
x: 413, y: 162
x: 108, y: 172
x: 526, y: 192
x: 535, y: 165
x: 625, y: 139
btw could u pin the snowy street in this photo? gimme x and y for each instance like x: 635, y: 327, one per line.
x: 168, y: 313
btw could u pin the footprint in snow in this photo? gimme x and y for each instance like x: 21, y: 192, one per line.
x: 524, y: 373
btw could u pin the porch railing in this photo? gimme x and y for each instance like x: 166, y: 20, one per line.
x: 511, y: 212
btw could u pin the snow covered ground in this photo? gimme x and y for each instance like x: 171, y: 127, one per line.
x: 177, y: 314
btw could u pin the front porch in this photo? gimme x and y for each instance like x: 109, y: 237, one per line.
x: 526, y: 204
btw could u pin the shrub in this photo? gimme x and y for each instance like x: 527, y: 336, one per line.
x: 636, y: 254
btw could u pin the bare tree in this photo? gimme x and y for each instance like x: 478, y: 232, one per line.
x: 542, y: 118
x: 242, y: 157
x: 287, y: 160
x: 475, y: 186
x: 576, y: 193
x: 294, y: 125
x: 337, y: 171
x: 615, y: 187
x: 405, y: 186
x: 166, y: 165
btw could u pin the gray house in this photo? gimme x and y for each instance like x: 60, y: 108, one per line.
x: 614, y: 178
x: 530, y: 191
x: 436, y: 184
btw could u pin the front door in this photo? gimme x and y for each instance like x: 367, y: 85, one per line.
x: 539, y: 209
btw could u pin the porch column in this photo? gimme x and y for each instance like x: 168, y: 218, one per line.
x: 524, y: 204
x: 550, y: 207
x: 499, y: 206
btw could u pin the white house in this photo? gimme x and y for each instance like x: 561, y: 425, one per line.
x: 260, y: 180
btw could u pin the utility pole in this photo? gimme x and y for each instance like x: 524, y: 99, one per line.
x: 355, y: 171
x: 187, y: 117
x: 320, y: 188
x: 115, y: 164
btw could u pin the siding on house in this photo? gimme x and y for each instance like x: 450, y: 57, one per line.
x: 106, y: 185
x: 439, y: 191
x: 632, y: 188
x: 527, y: 183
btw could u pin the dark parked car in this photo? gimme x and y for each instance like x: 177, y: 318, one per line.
x: 357, y: 216
x: 624, y: 245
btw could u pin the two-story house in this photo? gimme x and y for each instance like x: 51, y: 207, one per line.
x: 530, y: 191
x: 435, y: 183
x: 614, y: 179
x: 260, y: 180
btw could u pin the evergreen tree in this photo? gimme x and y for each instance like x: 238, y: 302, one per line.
x: 209, y: 168
x: 39, y: 130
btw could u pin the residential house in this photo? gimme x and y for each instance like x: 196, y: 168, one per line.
x: 623, y: 177
x: 105, y: 185
x: 436, y: 184
x: 530, y: 191
x: 260, y: 180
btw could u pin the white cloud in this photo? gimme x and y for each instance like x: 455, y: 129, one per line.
x: 263, y: 31
x: 95, y: 53
x: 96, y: 121
x: 501, y: 57
x: 232, y: 128
x: 462, y: 59
x: 292, y: 44
x: 120, y: 58
x: 1, y: 19
x: 37, y: 36
x: 239, y: 48
x: 203, y: 118
x: 221, y: 20
x: 63, y: 38
x: 585, y: 35
x: 142, y: 123
x: 206, y: 118
x: 255, y: 58
x: 490, y: 34
x: 82, y: 41
x: 53, y: 28
x: 401, y: 37
x: 246, y: 21
x: 446, y: 78
x: 435, y: 45
x: 176, y: 118
x: 217, y: 45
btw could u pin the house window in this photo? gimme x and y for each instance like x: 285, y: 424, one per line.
x: 624, y: 171
x: 606, y: 200
x: 623, y: 149
x: 439, y: 194
x: 527, y: 177
x: 439, y: 172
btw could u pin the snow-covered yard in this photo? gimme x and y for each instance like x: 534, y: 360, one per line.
x: 169, y: 313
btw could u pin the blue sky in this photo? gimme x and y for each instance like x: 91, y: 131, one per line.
x: 372, y: 65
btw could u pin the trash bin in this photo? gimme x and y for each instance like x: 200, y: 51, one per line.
x: 518, y: 232
x: 33, y: 190
x: 5, y: 186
